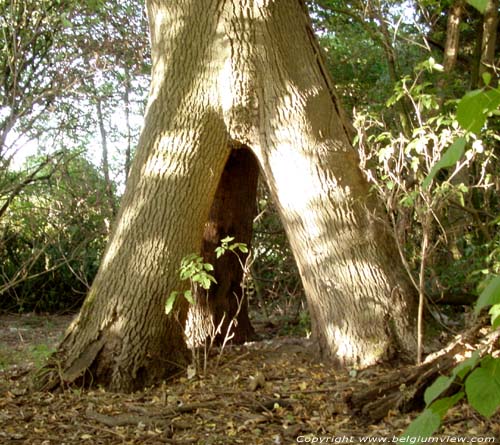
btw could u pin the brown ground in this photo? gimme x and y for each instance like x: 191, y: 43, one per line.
x: 268, y: 392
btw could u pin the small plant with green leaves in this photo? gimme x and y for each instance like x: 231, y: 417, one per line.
x: 194, y: 269
x: 477, y: 378
x: 227, y: 245
x: 199, y: 273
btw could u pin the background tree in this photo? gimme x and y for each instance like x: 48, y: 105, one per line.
x: 53, y: 50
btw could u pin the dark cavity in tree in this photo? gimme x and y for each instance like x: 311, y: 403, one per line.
x: 232, y: 213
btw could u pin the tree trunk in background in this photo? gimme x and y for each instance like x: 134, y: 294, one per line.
x: 476, y: 56
x: 126, y: 100
x: 452, y: 43
x: 232, y: 214
x: 105, y: 156
x: 403, y: 106
x: 456, y: 218
x: 228, y: 74
x: 489, y: 39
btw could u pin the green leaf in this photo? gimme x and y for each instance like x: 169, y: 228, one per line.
x: 199, y: 278
x: 486, y: 78
x: 495, y: 316
x: 424, y: 426
x: 243, y: 247
x: 428, y: 422
x: 490, y: 295
x: 493, y: 366
x: 208, y: 267
x: 483, y: 389
x: 170, y: 302
x: 473, y: 108
x: 227, y: 239
x: 441, y: 406
x: 407, y: 201
x: 440, y: 385
x: 480, y: 5
x: 219, y: 251
x: 450, y: 157
x: 185, y: 274
x: 188, y: 295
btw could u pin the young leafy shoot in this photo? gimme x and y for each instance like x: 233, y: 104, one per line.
x: 199, y: 273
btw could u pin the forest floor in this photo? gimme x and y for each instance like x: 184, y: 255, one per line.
x: 274, y: 391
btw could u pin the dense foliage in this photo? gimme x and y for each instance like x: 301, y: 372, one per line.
x: 73, y: 79
x: 53, y: 235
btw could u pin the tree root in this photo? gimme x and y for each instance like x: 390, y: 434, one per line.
x: 403, y: 389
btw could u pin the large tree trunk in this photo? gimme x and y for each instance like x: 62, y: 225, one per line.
x: 222, y: 312
x: 229, y: 73
x: 361, y: 307
x: 122, y: 337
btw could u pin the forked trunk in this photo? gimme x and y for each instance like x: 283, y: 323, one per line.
x: 228, y: 73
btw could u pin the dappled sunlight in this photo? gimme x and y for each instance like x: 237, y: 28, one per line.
x: 171, y: 150
x: 226, y: 82
x: 290, y: 167
x: 116, y: 328
x: 324, y: 207
x: 349, y: 347
x: 123, y: 226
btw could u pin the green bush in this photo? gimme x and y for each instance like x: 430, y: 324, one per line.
x: 52, y: 237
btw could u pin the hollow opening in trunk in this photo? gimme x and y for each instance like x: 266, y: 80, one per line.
x: 223, y: 309
x: 264, y: 286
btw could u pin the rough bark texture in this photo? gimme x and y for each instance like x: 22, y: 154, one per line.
x: 122, y: 337
x: 451, y: 45
x: 489, y: 40
x: 247, y: 73
x: 225, y: 306
x: 360, y: 305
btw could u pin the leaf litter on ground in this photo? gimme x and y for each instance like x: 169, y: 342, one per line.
x: 295, y: 396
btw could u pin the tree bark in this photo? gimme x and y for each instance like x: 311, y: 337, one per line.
x: 476, y: 55
x: 240, y: 73
x: 489, y: 40
x: 225, y: 305
x: 452, y: 43
x: 361, y: 307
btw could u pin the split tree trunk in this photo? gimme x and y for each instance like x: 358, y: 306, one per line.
x: 249, y: 73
